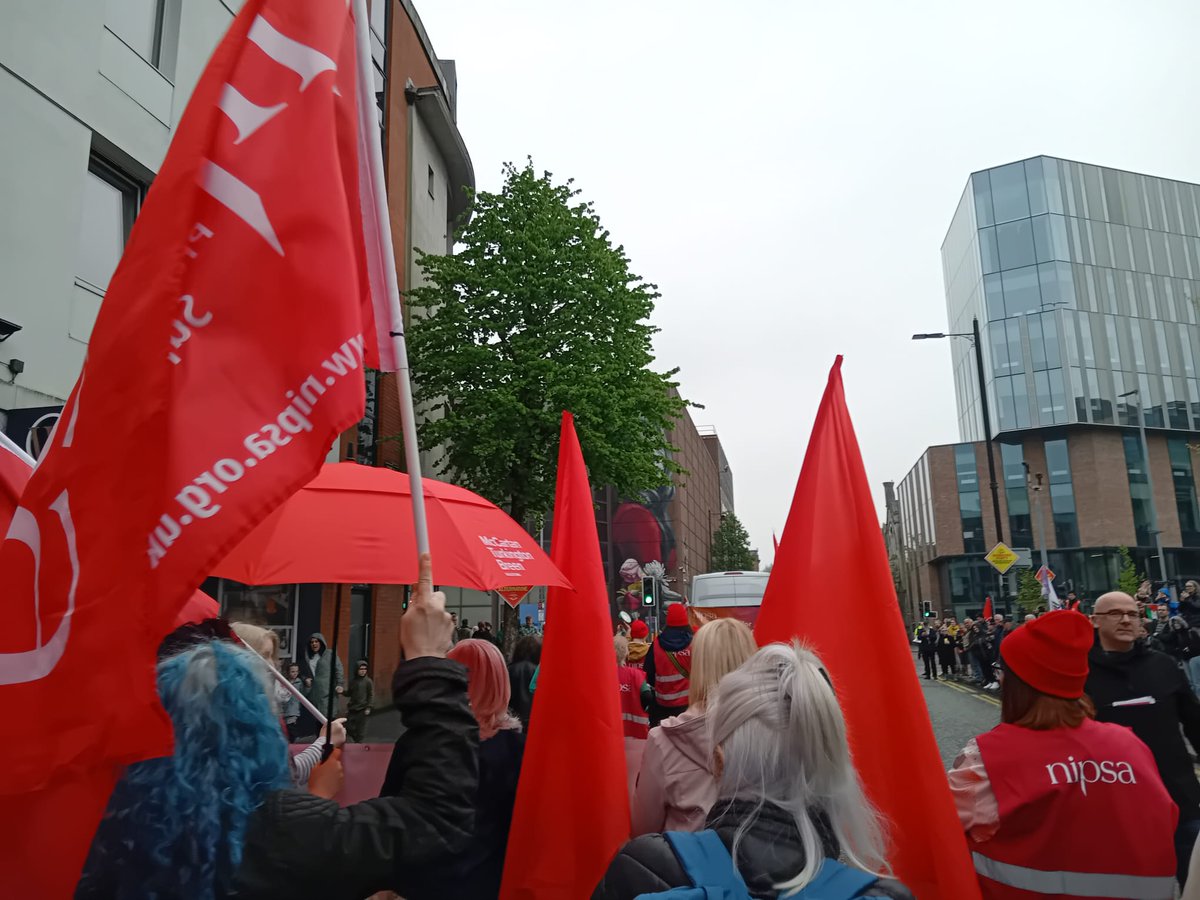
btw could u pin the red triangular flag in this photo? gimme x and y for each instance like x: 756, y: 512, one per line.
x: 833, y: 527
x: 775, y: 542
x: 572, y: 809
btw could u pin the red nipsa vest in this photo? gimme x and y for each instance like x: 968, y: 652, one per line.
x: 1083, y: 814
x: 633, y: 717
x: 670, y: 686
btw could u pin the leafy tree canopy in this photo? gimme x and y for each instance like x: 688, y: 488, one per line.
x: 1128, y: 579
x: 538, y: 312
x: 731, y: 546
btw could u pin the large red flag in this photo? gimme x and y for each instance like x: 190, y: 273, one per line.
x: 226, y: 358
x: 832, y: 529
x: 572, y: 810
x: 987, y: 608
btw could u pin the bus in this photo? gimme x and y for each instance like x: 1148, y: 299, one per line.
x: 726, y: 594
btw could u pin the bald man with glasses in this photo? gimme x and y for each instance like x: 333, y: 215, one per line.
x: 1145, y: 690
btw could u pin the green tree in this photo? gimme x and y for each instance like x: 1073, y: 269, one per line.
x: 1129, y: 579
x: 538, y: 312
x: 731, y: 546
x: 1029, y: 591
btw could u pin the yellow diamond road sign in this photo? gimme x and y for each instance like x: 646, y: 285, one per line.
x: 1002, y: 558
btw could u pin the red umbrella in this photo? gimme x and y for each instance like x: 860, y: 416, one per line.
x: 353, y: 524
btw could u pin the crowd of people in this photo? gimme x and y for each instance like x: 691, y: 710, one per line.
x: 737, y: 756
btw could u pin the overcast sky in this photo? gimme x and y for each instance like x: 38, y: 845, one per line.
x: 785, y: 171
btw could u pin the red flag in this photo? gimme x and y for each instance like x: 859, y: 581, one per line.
x: 226, y: 358
x: 775, y: 543
x: 987, y: 608
x: 15, y: 468
x: 572, y: 809
x: 832, y: 527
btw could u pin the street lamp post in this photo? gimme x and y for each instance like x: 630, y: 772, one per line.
x: 1154, y: 530
x: 1036, y: 488
x: 983, y: 404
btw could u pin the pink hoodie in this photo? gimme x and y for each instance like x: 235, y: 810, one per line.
x: 676, y: 787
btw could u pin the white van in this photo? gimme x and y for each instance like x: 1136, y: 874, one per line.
x: 725, y: 594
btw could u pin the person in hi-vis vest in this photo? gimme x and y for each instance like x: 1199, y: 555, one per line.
x: 668, y: 665
x: 1055, y: 804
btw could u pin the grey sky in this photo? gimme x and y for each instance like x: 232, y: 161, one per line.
x: 786, y: 171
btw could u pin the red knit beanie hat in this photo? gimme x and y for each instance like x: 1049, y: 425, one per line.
x: 639, y: 630
x: 676, y: 615
x: 1050, y: 654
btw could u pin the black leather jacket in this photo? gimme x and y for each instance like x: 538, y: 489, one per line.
x: 769, y: 852
x: 298, y: 845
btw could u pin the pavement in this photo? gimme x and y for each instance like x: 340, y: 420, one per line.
x: 958, y: 711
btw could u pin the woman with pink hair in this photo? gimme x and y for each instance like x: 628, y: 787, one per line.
x: 475, y: 872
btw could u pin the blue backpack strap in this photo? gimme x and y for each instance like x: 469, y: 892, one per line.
x: 835, y: 882
x: 709, y: 866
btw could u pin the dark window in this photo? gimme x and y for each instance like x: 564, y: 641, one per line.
x: 1185, y: 491
x: 968, y: 498
x: 1062, y: 494
x: 1020, y: 524
x: 1009, y: 198
x: 1139, y: 489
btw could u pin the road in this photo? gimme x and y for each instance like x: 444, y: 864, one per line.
x: 958, y: 713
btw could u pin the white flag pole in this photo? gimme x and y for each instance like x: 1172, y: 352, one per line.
x: 371, y: 157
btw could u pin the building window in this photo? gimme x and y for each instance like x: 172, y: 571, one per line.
x: 1139, y: 489
x: 110, y: 204
x: 968, y: 498
x: 139, y: 23
x: 1062, y: 494
x: 1185, y: 491
x: 1020, y: 522
x: 429, y: 178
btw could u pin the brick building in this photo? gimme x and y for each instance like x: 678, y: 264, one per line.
x: 1085, y: 284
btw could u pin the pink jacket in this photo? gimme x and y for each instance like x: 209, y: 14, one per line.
x: 676, y: 787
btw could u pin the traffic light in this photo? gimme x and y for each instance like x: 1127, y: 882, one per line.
x: 927, y: 608
x: 649, y: 591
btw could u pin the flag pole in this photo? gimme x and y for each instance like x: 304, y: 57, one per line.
x: 373, y: 157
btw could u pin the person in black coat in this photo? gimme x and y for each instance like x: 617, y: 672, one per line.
x: 473, y: 873
x: 947, y: 651
x: 526, y: 656
x: 1155, y: 701
x: 774, y: 710
x: 927, y: 642
x: 182, y: 826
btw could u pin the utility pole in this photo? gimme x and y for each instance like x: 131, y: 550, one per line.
x: 1155, y: 533
x: 1036, y: 487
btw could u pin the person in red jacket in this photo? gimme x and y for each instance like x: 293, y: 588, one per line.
x: 668, y: 666
x: 1055, y: 804
x: 636, y: 698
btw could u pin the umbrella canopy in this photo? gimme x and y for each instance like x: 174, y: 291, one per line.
x: 353, y: 524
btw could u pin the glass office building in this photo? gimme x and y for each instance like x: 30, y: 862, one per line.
x: 1086, y: 282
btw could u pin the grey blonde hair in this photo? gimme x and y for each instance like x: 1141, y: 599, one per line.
x: 783, y: 739
x: 621, y: 646
x: 263, y: 641
x: 719, y: 647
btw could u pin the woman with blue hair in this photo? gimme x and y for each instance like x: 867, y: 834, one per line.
x: 218, y: 817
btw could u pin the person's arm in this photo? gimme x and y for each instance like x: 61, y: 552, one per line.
x: 297, y: 839
x: 649, y: 797
x: 339, y: 675
x: 646, y: 696
x: 370, y: 695
x: 648, y: 666
x: 973, y: 796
